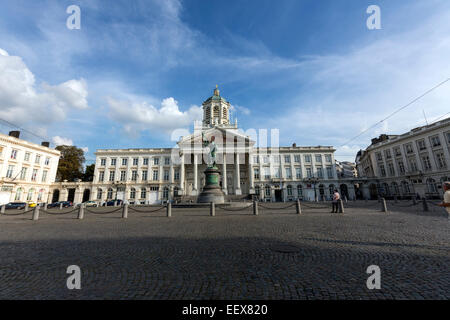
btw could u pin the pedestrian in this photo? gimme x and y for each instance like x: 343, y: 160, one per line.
x: 446, y: 202
x: 334, y: 202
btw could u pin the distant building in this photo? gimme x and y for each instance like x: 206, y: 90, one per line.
x: 26, y: 169
x: 346, y: 169
x: 407, y: 165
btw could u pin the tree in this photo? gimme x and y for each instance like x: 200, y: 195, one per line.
x: 71, y: 162
x: 89, y: 173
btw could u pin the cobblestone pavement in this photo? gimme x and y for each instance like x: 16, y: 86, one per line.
x: 234, y: 255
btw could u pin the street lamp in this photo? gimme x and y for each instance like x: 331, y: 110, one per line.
x: 313, y: 181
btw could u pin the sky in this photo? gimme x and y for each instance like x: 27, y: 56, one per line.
x: 138, y: 70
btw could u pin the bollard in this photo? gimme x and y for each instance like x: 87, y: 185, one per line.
x: 45, y: 206
x: 125, y: 211
x: 341, y: 206
x: 213, y: 209
x: 169, y: 209
x: 383, y: 205
x: 255, y: 207
x: 425, y: 205
x: 115, y: 203
x: 2, y: 211
x: 60, y: 206
x: 395, y: 199
x: 81, y: 212
x: 298, y: 207
x: 26, y: 207
x: 345, y: 198
x: 414, y: 201
x: 36, y: 213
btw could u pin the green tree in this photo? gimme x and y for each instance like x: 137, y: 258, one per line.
x: 89, y: 173
x: 71, y: 162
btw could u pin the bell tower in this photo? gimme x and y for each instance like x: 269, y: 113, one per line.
x: 216, y: 111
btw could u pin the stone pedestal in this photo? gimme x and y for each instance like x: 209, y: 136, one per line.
x: 211, y: 192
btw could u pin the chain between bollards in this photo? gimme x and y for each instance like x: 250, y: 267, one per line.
x: 169, y: 209
x: 36, y: 213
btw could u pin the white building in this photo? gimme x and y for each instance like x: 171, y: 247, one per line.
x: 416, y: 162
x: 27, y: 170
x: 156, y: 174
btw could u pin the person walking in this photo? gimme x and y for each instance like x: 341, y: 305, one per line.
x: 446, y: 202
x: 335, y: 201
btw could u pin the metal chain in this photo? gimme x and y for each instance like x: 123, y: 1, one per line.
x: 275, y: 208
x: 146, y: 211
x: 108, y: 212
x: 239, y: 209
x: 16, y: 214
x: 56, y: 213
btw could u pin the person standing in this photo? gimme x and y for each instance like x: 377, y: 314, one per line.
x: 335, y: 202
x: 446, y: 202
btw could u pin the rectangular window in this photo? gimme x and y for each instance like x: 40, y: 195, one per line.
x: 391, y: 169
x: 47, y: 161
x: 266, y: 173
x: 144, y: 175
x: 123, y: 175
x: 276, y: 171
x: 401, y: 167
x: 448, y: 138
x: 101, y: 176
x: 298, y: 173
x: 387, y: 152
x: 23, y: 174
x: 14, y: 154
x: 166, y: 175
x: 287, y: 159
x: 319, y: 172
x: 133, y: 175
x: 255, y: 159
x: 382, y: 170
x: 34, y: 175
x: 421, y: 145
x: 176, y: 175
x: 124, y: 161
x: 276, y: 159
x: 38, y: 159
x: 441, y: 160
x: 135, y: 161
x: 145, y: 161
x: 318, y: 158
x: 426, y: 163
x: 308, y: 158
x: 10, y: 171
x: 103, y: 162
x: 309, y: 172
x: 329, y: 172
x: 379, y: 156
x: 413, y: 165
x: 112, y: 175
x: 297, y: 158
x: 288, y: 173
x: 328, y: 158
x: 256, y: 173
x: 27, y: 156
x: 167, y: 160
x: 113, y: 161
x: 435, y: 141
x: 155, y: 161
x: 155, y: 175
x: 409, y: 148
x: 44, y: 176
x: 397, y: 152
x: 266, y: 159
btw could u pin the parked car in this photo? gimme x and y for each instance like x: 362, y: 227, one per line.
x: 111, y: 203
x: 16, y: 205
x: 32, y: 204
x: 65, y: 204
x: 53, y: 205
x: 89, y: 204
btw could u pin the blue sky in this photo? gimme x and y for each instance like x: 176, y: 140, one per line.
x: 137, y: 70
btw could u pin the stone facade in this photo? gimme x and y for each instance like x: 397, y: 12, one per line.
x: 27, y: 170
x: 407, y: 165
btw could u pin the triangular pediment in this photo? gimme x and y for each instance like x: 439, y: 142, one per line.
x: 222, y: 137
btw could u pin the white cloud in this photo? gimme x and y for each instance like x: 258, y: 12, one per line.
x: 23, y: 102
x: 85, y: 149
x: 61, y: 141
x: 241, y: 110
x: 136, y: 116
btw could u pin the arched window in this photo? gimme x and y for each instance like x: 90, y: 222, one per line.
x: 175, y: 191
x: 299, y: 191
x: 216, y: 113
x: 99, y: 194
x: 165, y: 193
x: 18, y: 194
x: 331, y: 188
x: 431, y: 186
x: 267, y: 192
x: 143, y: 193
x: 109, y: 195
x: 394, y: 188
x: 30, y: 194
x: 132, y: 193
x: 289, y: 190
x: 405, y: 187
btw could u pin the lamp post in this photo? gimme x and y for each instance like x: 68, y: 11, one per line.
x: 313, y: 181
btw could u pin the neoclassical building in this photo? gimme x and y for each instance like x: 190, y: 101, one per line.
x: 416, y: 162
x: 248, y: 169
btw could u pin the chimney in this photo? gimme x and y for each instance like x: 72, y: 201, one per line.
x: 15, y: 134
x: 45, y: 144
x: 294, y: 145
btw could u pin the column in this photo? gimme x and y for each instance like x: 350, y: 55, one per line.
x: 182, y: 175
x: 224, y: 174
x: 250, y: 173
x: 171, y: 173
x: 237, y: 180
x: 195, y: 191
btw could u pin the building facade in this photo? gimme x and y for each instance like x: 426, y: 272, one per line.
x: 146, y: 176
x: 407, y: 165
x: 27, y: 170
